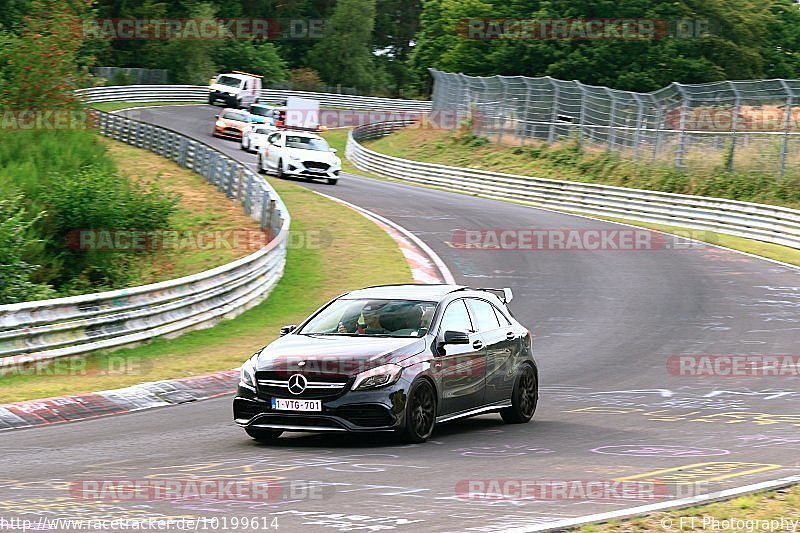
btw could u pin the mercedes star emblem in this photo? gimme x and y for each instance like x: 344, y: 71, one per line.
x: 297, y: 384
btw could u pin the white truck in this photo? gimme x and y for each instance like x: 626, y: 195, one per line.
x: 301, y: 114
x: 236, y: 89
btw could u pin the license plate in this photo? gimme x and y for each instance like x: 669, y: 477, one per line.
x: 282, y: 404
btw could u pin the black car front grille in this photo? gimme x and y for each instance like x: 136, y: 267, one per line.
x: 316, y: 164
x: 319, y: 385
x: 366, y: 415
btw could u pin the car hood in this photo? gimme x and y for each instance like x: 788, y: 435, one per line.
x: 335, y: 355
x: 313, y: 155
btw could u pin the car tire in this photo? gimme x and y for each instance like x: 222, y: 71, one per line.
x: 211, y: 100
x: 263, y: 435
x: 333, y: 181
x: 524, y: 397
x: 245, y: 146
x: 261, y: 164
x: 279, y: 170
x: 420, y: 412
x: 238, y: 103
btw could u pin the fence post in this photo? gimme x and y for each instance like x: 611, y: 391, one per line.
x: 611, y: 137
x: 679, y: 153
x: 658, y: 132
x: 637, y: 133
x: 582, y: 119
x: 734, y: 125
x: 787, y: 125
x: 551, y: 133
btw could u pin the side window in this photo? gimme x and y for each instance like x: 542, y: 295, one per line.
x: 483, y: 314
x: 456, y: 318
x: 502, y: 318
x: 273, y: 139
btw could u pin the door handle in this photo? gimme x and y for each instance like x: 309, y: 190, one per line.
x: 477, y: 345
x: 510, y: 335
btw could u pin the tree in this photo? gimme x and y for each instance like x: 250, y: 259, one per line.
x: 15, y: 272
x: 344, y: 55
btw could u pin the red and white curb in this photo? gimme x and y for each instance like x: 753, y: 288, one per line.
x: 426, y: 267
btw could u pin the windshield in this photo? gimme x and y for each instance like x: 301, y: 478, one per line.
x: 232, y: 115
x: 376, y: 318
x: 261, y: 111
x: 306, y: 143
x: 229, y: 81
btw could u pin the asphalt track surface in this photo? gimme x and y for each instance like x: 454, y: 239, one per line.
x: 605, y: 324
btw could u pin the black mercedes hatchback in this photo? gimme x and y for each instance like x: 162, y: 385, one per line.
x: 392, y: 358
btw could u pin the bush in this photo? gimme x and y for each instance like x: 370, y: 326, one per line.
x: 305, y: 79
x: 94, y: 199
x: 15, y: 237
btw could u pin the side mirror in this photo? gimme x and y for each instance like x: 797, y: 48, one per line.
x: 456, y: 337
x: 334, y: 150
x: 216, y: 116
x: 288, y: 329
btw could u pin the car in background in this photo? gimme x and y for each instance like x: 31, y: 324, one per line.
x: 236, y: 89
x: 392, y: 358
x: 231, y: 123
x: 262, y: 114
x: 254, y: 137
x: 299, y: 153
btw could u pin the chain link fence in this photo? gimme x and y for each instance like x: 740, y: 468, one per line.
x: 747, y: 126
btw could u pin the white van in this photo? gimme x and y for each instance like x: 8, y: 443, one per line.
x: 236, y: 89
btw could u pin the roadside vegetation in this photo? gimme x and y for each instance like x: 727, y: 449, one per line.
x: 761, y: 506
x: 314, y: 274
x: 565, y: 161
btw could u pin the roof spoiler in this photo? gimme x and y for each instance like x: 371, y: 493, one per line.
x: 506, y: 297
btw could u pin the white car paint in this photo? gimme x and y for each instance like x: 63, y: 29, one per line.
x: 284, y: 155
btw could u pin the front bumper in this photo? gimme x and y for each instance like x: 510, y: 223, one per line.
x: 376, y: 410
x: 303, y: 169
x: 230, y: 99
x: 228, y: 133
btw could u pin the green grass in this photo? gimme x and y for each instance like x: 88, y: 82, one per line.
x: 564, y: 161
x: 313, y: 275
x: 770, y: 505
x: 116, y: 106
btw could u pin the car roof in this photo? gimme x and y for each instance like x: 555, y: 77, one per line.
x: 235, y: 75
x: 431, y: 292
x: 303, y: 134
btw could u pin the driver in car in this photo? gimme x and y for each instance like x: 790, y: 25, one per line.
x: 372, y: 322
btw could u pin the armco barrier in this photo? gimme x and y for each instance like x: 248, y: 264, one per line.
x: 767, y: 223
x: 199, y: 93
x: 67, y: 326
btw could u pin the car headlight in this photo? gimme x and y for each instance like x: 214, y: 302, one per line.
x: 379, y: 376
x: 337, y: 162
x: 247, y: 375
x: 220, y: 124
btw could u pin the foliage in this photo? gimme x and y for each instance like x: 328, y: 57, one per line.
x: 39, y: 61
x: 343, y: 56
x: 15, y: 272
x: 305, y: 79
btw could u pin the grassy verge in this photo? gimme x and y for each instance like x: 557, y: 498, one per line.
x: 201, y: 209
x: 116, y: 106
x: 354, y: 253
x: 565, y: 162
x: 767, y: 506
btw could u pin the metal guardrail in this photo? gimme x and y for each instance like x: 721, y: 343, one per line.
x: 67, y: 326
x: 199, y: 93
x: 778, y: 225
